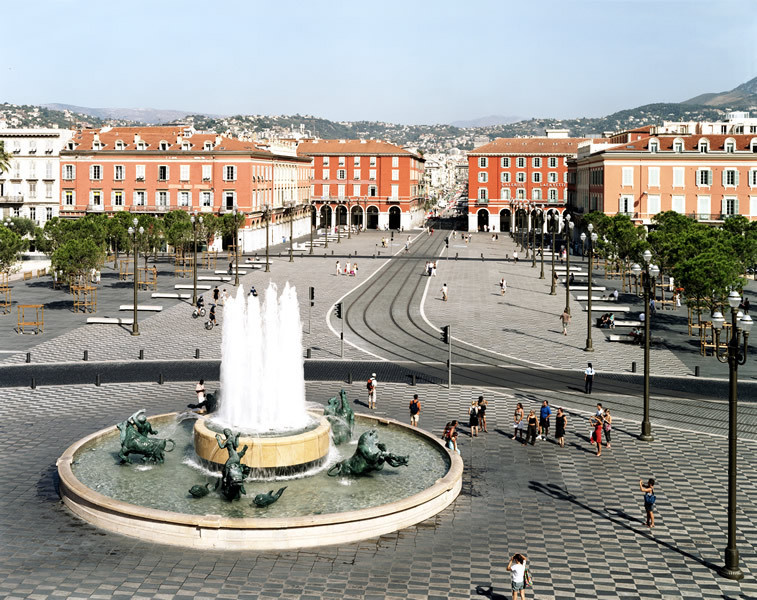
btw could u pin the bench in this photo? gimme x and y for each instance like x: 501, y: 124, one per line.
x: 28, y: 275
x: 213, y: 278
x: 585, y: 288
x: 147, y: 307
x: 629, y: 339
x: 608, y: 308
x: 170, y: 295
x: 189, y: 286
x: 241, y: 272
x: 109, y: 321
x: 628, y: 323
x: 596, y: 298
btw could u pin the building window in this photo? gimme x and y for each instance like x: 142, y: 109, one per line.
x: 95, y: 172
x: 482, y: 194
x: 483, y: 177
x: 678, y: 176
x: 505, y: 176
x: 229, y: 200
x: 325, y: 174
x: 520, y: 177
x: 395, y: 174
x: 395, y: 162
x: 552, y: 162
x: 678, y: 204
x: 184, y: 172
x: 483, y: 162
x: 356, y: 161
x: 341, y: 174
x: 372, y: 191
x: 326, y: 191
x: 654, y: 146
x: 184, y: 198
x: 230, y: 173
x: 68, y: 197
x: 120, y: 145
x: 340, y: 191
x: 536, y: 177
x: 325, y: 161
x: 141, y: 146
x: 139, y: 198
x: 505, y: 162
x: 32, y: 189
x: 356, y: 175
x: 161, y: 198
x: 48, y: 213
x: 395, y: 192
x: 69, y: 172
x: 162, y: 173
x: 356, y: 191
x: 704, y: 177
x: 118, y: 173
x: 520, y: 194
x: 163, y: 147
x: 140, y: 172
x: 206, y: 199
x: 552, y: 177
x: 372, y: 174
x: 552, y: 195
x: 96, y: 197
x: 372, y: 161
x: 654, y: 176
x: 678, y: 146
x: 730, y: 206
x: 186, y: 146
x: 536, y: 194
x: 521, y: 162
x: 730, y: 146
x: 117, y: 198
x: 653, y: 204
x: 536, y: 162
x: 627, y: 176
x: 753, y: 178
x: 504, y: 193
x: 704, y: 146
x: 33, y: 213
x: 207, y: 146
x: 48, y: 189
x: 342, y: 161
x: 730, y: 178
x: 207, y: 172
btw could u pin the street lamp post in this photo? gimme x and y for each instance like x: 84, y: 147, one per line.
x: 650, y: 273
x: 313, y: 217
x: 338, y: 218
x: 541, y: 244
x: 195, y: 221
x: 741, y: 324
x: 267, y: 208
x: 133, y: 232
x: 568, y: 234
x: 533, y: 240
x: 236, y: 248
x: 327, y: 228
x: 592, y: 238
x: 553, y: 219
x: 349, y: 220
x: 291, y: 230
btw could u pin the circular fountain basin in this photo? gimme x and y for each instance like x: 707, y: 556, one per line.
x: 151, y: 502
x: 275, y: 454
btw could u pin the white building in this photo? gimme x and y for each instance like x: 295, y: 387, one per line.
x: 31, y: 187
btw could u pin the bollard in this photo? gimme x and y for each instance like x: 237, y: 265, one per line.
x: 197, y: 353
x: 28, y: 357
x: 696, y: 371
x: 309, y: 353
x: 412, y: 379
x: 160, y: 379
x: 97, y: 380
x: 374, y: 256
x: 141, y: 355
x: 482, y: 256
x: 456, y: 255
x: 332, y: 253
x: 633, y: 367
x: 86, y: 355
x: 349, y: 377
x: 34, y: 383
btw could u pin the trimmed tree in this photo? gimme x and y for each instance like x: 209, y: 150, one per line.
x: 11, y: 247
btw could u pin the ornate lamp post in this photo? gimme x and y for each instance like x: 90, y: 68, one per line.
x: 313, y: 217
x: 267, y: 209
x: 533, y: 238
x: 133, y: 233
x: 592, y: 239
x: 735, y: 355
x: 290, y: 207
x: 236, y: 248
x: 194, y: 221
x: 349, y: 220
x: 338, y: 219
x: 553, y: 221
x: 327, y: 228
x: 650, y: 273
x: 568, y: 229
x: 541, y: 244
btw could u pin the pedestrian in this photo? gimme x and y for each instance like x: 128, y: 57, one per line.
x: 652, y: 307
x: 224, y: 297
x: 347, y: 268
x: 600, y: 411
x: 515, y: 256
x: 589, y: 378
x: 565, y: 320
x: 518, y: 422
x: 415, y: 410
x: 444, y: 292
x: 212, y: 315
x: 608, y: 426
x: 450, y: 436
x: 338, y: 268
x: 473, y: 418
x: 596, y: 435
x: 216, y: 294
x: 200, y: 391
x: 433, y: 269
x: 531, y: 431
x: 560, y: 422
x: 502, y: 286
x: 371, y: 385
x: 649, y: 500
x: 517, y: 568
x: 544, y: 415
x: 482, y: 404
x: 231, y: 267
x: 745, y: 305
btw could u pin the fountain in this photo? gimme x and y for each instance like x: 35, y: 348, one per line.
x: 209, y: 492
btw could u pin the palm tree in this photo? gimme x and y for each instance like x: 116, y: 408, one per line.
x: 5, y: 158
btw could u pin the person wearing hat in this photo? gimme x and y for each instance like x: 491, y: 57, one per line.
x: 372, y: 392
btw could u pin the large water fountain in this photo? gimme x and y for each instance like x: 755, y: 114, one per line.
x: 216, y: 489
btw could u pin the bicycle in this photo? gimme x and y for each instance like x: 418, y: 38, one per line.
x: 198, y: 312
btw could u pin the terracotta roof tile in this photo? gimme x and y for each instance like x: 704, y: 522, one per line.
x: 690, y: 142
x: 338, y: 147
x: 541, y: 145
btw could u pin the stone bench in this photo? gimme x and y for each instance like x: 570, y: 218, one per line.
x: 595, y: 298
x: 109, y: 321
x: 585, y: 288
x: 628, y: 323
x: 189, y: 286
x: 219, y: 272
x: 213, y: 278
x: 608, y: 308
x: 170, y: 295
x: 629, y: 339
x: 146, y: 307
x: 563, y: 269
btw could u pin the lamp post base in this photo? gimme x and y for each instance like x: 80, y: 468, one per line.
x: 731, y: 573
x: 135, y: 332
x: 589, y: 347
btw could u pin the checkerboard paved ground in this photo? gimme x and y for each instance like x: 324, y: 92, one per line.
x: 577, y: 516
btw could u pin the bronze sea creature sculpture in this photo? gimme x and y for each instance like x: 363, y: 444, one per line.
x: 263, y: 500
x: 234, y: 472
x: 341, y: 417
x: 200, y: 491
x: 370, y: 456
x: 134, y: 440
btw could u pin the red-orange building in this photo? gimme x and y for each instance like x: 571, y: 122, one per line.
x: 380, y: 184
x: 158, y: 169
x: 509, y: 174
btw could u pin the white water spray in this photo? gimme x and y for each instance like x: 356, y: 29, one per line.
x: 262, y: 369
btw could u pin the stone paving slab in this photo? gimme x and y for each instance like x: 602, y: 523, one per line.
x: 577, y: 516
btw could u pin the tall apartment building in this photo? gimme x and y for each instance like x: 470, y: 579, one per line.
x: 31, y: 187
x: 708, y: 177
x: 509, y: 174
x: 158, y: 169
x: 381, y: 183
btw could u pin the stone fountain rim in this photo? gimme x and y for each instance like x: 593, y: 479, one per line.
x: 76, y: 494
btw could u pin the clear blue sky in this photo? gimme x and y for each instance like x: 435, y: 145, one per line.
x: 405, y: 61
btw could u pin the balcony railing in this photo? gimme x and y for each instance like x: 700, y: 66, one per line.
x: 482, y: 202
x: 144, y: 208
x: 11, y: 199
x: 95, y: 208
x: 708, y: 216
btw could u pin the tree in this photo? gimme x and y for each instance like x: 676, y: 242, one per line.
x: 211, y: 227
x: 177, y: 228
x: 117, y: 233
x: 151, y: 239
x: 625, y: 240
x: 11, y: 247
x: 5, y: 158
x: 77, y: 256
x: 741, y: 234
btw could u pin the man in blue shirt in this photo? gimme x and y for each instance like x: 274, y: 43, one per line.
x: 544, y: 421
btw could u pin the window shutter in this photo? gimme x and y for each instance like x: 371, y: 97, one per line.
x: 725, y: 176
x: 736, y: 177
x: 73, y: 171
x: 723, y: 206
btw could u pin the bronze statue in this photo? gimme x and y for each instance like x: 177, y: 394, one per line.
x: 200, y: 491
x: 369, y: 456
x: 234, y: 472
x: 341, y: 417
x: 134, y: 440
x: 263, y: 500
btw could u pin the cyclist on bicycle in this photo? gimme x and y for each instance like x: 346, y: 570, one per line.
x: 200, y: 302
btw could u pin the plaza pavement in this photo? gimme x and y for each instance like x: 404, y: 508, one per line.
x: 578, y: 517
